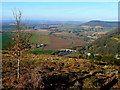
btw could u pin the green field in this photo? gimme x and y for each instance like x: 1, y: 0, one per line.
x: 36, y: 38
x: 39, y: 38
x: 9, y: 29
x: 43, y: 52
x: 6, y: 40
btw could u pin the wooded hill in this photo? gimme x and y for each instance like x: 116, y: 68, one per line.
x: 101, y: 23
x: 108, y: 44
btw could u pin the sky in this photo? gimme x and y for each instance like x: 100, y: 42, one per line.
x: 60, y: 0
x: 62, y: 11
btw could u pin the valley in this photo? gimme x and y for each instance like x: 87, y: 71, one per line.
x: 77, y: 54
x: 62, y: 45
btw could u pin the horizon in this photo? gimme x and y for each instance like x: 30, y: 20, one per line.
x: 64, y: 20
x: 62, y: 11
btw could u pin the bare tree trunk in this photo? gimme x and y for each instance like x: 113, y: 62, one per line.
x: 18, y: 61
x: 18, y: 70
x: 17, y: 17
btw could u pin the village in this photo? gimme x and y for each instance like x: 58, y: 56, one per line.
x: 65, y: 52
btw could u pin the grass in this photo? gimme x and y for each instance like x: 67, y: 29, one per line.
x: 40, y: 51
x: 38, y: 38
x: 8, y: 28
x: 43, y: 52
x: 6, y: 40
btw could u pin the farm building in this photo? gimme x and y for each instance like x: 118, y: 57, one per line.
x: 37, y: 45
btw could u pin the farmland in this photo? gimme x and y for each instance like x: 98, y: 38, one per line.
x: 57, y: 36
x: 44, y: 65
x: 60, y: 46
x: 40, y: 38
x: 54, y: 41
x: 6, y: 40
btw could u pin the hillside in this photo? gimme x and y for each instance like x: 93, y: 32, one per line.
x: 108, y: 44
x: 38, y: 71
x: 101, y: 23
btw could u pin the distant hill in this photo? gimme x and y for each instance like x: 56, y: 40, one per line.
x: 101, y: 23
x: 39, y: 22
x: 108, y: 44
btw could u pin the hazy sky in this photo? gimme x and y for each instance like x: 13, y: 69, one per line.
x: 60, y: 0
x: 63, y: 11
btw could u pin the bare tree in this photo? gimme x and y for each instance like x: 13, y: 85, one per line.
x: 20, y: 39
